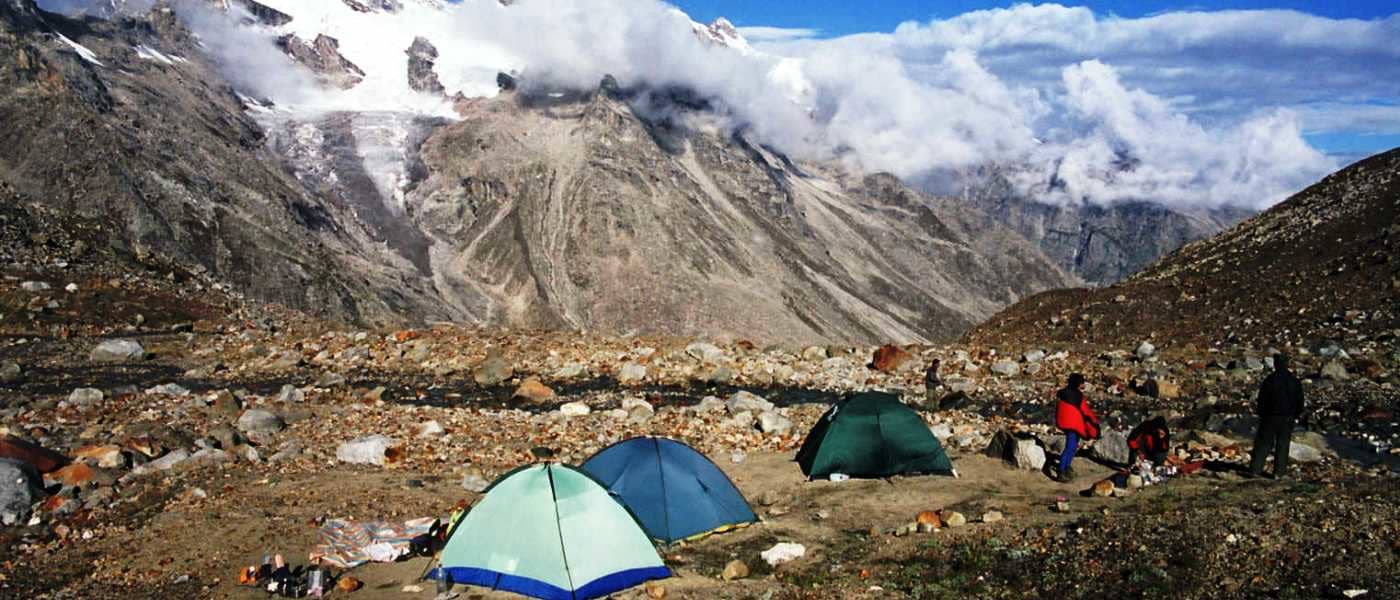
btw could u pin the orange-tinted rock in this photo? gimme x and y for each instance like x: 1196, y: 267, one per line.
x: 75, y: 474
x: 348, y: 584
x: 929, y: 518
x: 534, y: 391
x: 42, y: 459
x: 889, y: 358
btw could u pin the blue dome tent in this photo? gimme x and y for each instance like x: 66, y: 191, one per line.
x: 675, y: 492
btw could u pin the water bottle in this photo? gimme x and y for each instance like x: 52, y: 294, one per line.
x: 316, y: 583
x: 444, y: 583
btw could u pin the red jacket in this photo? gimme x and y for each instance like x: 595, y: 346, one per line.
x: 1072, y: 413
x: 1147, y: 443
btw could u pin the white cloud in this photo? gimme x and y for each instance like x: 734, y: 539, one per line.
x: 777, y: 34
x: 1185, y: 108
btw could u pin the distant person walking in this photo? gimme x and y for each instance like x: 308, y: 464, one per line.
x: 1074, y: 417
x: 1279, y: 404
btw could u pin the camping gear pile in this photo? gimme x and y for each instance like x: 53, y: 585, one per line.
x: 348, y: 544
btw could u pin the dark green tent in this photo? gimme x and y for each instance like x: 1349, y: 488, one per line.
x: 872, y: 435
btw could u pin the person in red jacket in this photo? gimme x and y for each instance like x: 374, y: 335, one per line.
x: 1074, y: 417
x: 1149, y: 441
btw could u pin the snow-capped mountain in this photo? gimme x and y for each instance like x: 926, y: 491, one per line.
x: 611, y: 207
x: 723, y: 33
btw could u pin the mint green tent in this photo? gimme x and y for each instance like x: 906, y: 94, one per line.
x: 549, y: 531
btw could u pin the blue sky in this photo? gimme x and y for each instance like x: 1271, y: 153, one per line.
x: 841, y: 17
x: 1345, y: 141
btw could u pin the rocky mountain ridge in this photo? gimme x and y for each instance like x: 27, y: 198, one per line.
x: 1319, y: 267
x: 548, y: 208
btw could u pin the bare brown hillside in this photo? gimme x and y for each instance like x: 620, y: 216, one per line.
x: 1322, y: 265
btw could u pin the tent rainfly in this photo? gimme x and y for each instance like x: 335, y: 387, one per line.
x: 872, y: 435
x: 549, y: 531
x: 674, y: 491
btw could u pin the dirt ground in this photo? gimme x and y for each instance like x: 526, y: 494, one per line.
x: 242, y: 518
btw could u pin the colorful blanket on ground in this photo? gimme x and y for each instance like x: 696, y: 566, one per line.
x: 348, y: 544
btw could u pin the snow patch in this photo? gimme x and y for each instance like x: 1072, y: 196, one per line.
x: 83, y: 51
x: 149, y: 53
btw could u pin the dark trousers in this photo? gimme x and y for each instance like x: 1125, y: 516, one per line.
x: 1275, y: 434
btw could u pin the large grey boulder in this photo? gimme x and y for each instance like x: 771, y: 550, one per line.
x: 260, y: 421
x: 19, y: 489
x: 745, y: 401
x: 773, y: 423
x: 1006, y: 368
x: 704, y: 352
x: 118, y: 351
x: 368, y: 450
x: 1027, y: 455
x: 1112, y: 447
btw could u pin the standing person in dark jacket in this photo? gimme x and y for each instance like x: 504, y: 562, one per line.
x: 1074, y: 417
x: 1279, y: 404
x: 932, y: 383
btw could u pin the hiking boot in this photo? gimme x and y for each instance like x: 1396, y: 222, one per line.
x: 1067, y: 476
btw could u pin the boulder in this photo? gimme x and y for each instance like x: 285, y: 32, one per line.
x: 570, y: 371
x: 889, y: 358
x: 710, y: 404
x: 1335, y: 371
x: 1102, y: 489
x: 1112, y: 447
x: 814, y: 353
x: 368, y: 450
x: 85, y: 396
x: 632, y: 373
x: 260, y: 421
x: 718, y: 375
x: 928, y: 521
x: 746, y: 401
x: 429, y: 429
x: 954, y: 401
x: 1026, y: 455
x: 10, y: 372
x: 105, y: 456
x: 35, y: 286
x: 960, y: 384
x: 992, y: 516
x: 774, y: 423
x: 1303, y: 453
x: 783, y: 552
x: 705, y: 352
x: 954, y: 519
x: 290, y: 394
x: 942, y: 431
x: 638, y: 410
x: 39, y: 458
x: 492, y: 370
x: 1033, y: 356
x: 1145, y: 350
x: 735, y: 569
x: 118, y: 351
x: 164, y: 463
x: 574, y: 409
x: 19, y: 489
x: 1006, y: 368
x: 532, y: 390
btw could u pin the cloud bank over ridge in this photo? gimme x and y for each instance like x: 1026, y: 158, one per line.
x: 1186, y: 109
